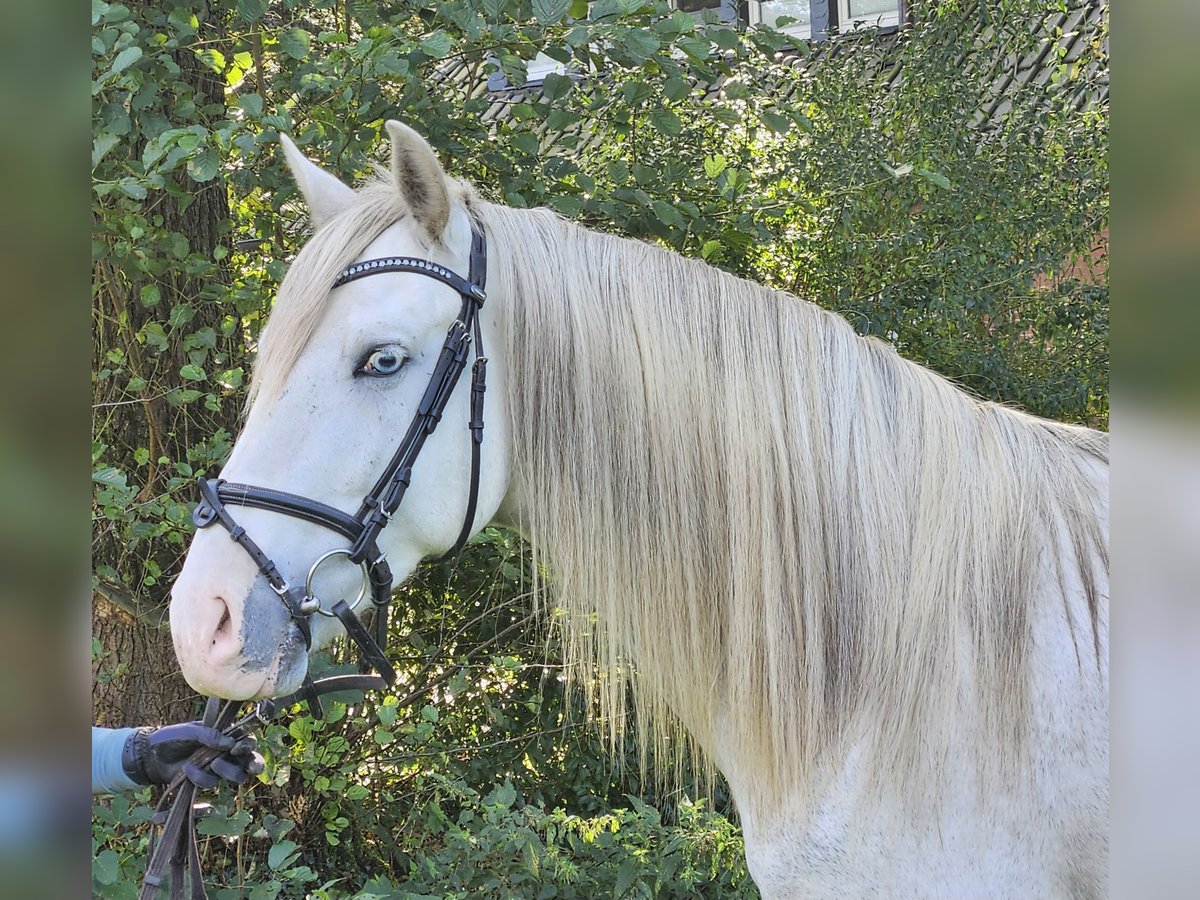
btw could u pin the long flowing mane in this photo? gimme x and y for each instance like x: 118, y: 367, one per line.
x: 762, y: 523
x: 767, y: 525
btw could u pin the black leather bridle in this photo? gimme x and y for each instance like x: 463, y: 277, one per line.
x: 174, y: 853
x: 362, y: 529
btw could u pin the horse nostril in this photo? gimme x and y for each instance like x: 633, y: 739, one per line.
x: 223, y: 625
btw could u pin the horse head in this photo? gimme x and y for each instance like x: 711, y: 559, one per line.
x: 344, y: 366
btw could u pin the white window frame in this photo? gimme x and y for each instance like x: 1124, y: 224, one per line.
x: 542, y: 65
x: 796, y: 30
x: 880, y: 20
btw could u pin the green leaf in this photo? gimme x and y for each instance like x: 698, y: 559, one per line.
x: 252, y: 104
x: 150, y: 295
x: 567, y: 204
x: 560, y: 119
x: 527, y: 143
x: 695, y: 47
x: 126, y: 58
x: 724, y: 37
x: 214, y: 59
x: 268, y: 890
x: 217, y: 825
x: 181, y: 314
x: 639, y: 44
x: 936, y: 178
x: 106, y: 867
x: 133, y: 189
x: 295, y: 42
x: 183, y: 21
x: 550, y: 12
x: 626, y: 876
x: 555, y: 86
x: 504, y: 796
x: 726, y: 115
x: 153, y: 335
x: 383, y: 737
x: 676, y: 89
x: 103, y: 142
x: 191, y: 373
x: 183, y: 398
x: 667, y: 214
x: 204, y: 166
x: 666, y: 121
x: 110, y: 476
x: 251, y: 10
x: 776, y: 122
x: 437, y: 45
x: 714, y: 166
x: 579, y: 9
x: 279, y: 854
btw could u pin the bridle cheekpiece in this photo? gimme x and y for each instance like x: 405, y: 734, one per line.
x: 362, y: 529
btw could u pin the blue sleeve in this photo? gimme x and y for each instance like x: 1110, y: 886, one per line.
x: 108, y: 776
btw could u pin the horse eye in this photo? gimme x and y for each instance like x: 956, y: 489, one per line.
x: 382, y: 361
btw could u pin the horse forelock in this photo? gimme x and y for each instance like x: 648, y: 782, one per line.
x: 305, y: 288
x: 766, y: 526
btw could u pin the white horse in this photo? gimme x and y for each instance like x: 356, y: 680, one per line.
x: 876, y: 604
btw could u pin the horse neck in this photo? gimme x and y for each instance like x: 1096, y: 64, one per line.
x: 755, y: 507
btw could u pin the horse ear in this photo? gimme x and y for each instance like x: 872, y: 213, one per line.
x: 325, y: 195
x: 420, y: 178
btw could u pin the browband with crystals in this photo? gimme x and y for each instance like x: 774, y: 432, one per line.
x: 411, y: 264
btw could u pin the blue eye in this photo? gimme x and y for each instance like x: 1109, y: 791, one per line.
x: 383, y: 361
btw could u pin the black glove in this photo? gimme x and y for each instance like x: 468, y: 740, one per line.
x: 157, y: 755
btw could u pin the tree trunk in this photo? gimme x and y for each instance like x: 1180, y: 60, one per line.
x: 135, y: 676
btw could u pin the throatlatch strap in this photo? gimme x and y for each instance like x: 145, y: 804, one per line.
x: 478, y: 392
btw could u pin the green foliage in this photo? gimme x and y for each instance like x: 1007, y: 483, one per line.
x: 908, y: 206
x: 475, y: 777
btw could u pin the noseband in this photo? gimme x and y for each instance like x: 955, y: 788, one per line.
x: 362, y: 529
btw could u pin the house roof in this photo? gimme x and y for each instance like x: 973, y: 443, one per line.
x: 1063, y: 38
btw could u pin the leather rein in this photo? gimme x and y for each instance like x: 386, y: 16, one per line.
x: 176, y: 848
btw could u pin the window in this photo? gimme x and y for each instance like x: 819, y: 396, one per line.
x: 814, y: 19
x: 769, y: 13
x: 541, y: 66
x: 882, y: 13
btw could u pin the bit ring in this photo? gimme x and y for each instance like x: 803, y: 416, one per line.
x: 312, y: 604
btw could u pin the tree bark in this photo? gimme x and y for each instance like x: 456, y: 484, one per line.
x: 135, y: 677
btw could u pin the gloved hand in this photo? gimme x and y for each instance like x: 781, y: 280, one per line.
x: 156, y: 755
